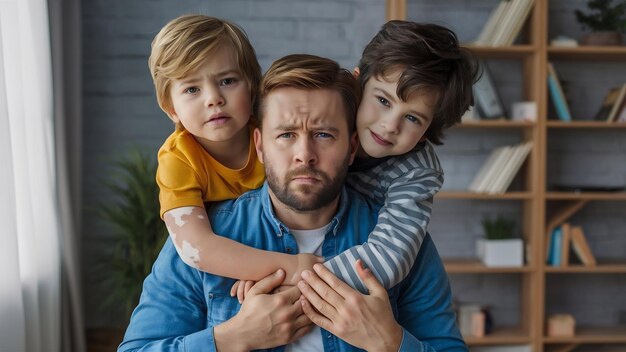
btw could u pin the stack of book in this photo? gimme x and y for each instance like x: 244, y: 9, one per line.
x: 499, y: 170
x: 566, y: 237
x: 504, y: 23
x: 613, y: 107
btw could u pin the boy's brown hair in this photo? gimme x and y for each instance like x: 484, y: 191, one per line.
x: 312, y: 72
x: 184, y: 43
x: 430, y: 58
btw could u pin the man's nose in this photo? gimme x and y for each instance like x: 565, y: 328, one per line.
x: 305, y: 152
x: 214, y: 97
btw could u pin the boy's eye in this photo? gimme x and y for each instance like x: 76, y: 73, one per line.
x: 192, y: 90
x: 383, y: 101
x: 412, y: 118
x: 227, y: 81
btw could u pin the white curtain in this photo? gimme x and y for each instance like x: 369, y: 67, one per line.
x: 30, y: 256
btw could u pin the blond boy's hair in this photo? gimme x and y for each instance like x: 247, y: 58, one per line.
x: 184, y: 43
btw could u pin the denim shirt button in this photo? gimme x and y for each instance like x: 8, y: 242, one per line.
x: 329, y: 336
x: 289, y: 250
x: 210, y: 296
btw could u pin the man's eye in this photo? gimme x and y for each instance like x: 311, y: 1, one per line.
x: 285, y: 135
x: 192, y: 90
x: 383, y: 101
x: 227, y: 81
x: 324, y: 135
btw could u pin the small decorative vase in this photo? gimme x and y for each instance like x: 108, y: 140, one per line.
x: 602, y: 38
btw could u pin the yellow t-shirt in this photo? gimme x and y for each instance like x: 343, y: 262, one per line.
x: 188, y: 175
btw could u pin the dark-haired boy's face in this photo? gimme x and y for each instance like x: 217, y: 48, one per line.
x: 386, y: 124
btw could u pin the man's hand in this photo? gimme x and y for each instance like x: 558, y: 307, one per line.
x: 364, y: 321
x: 265, y: 320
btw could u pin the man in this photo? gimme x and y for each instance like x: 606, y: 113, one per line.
x: 306, y: 141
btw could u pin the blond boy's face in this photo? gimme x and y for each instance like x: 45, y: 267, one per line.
x: 387, y: 125
x: 213, y: 102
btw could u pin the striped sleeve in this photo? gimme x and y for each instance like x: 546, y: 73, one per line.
x: 407, y: 187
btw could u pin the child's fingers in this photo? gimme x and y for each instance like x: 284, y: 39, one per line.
x: 241, y: 291
x: 248, y: 286
x: 233, y: 289
x: 369, y: 279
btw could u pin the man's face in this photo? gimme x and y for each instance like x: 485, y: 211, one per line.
x: 306, y: 147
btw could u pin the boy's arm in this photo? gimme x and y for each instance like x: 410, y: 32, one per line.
x: 172, y: 313
x: 199, y: 247
x: 394, y: 242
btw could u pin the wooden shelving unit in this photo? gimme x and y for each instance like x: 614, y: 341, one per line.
x: 535, y: 198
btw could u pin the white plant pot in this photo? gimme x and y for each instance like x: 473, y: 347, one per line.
x: 501, y: 253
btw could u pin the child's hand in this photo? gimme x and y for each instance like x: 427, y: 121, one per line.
x: 305, y: 262
x: 241, y: 288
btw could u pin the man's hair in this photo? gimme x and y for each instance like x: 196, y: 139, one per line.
x: 186, y: 42
x: 430, y: 58
x: 304, y: 71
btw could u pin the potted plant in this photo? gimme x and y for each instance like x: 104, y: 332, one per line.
x: 606, y: 20
x: 500, y: 248
x: 132, y: 215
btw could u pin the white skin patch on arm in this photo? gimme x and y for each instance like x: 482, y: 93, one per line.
x: 178, y: 214
x: 190, y: 254
x: 172, y: 233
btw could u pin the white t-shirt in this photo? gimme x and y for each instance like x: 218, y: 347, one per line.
x: 309, y: 241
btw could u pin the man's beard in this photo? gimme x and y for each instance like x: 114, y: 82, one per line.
x: 306, y: 198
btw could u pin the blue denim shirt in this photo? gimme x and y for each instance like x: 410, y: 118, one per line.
x: 180, y: 305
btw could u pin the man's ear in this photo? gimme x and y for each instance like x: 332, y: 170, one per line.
x: 258, y: 144
x: 356, y: 72
x: 354, y: 146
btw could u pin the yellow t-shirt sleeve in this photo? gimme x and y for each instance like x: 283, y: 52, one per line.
x: 179, y: 183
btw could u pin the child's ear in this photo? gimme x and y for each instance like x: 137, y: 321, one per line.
x: 356, y: 72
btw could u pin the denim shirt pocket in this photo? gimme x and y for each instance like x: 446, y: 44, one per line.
x: 221, y: 307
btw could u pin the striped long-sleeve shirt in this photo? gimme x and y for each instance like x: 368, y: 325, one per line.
x: 405, y: 185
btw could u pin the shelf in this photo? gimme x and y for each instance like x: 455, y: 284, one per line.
x: 473, y: 195
x: 474, y: 266
x: 601, y: 268
x: 500, y: 336
x: 602, y: 53
x: 585, y: 124
x: 503, y: 52
x: 592, y: 335
x: 499, y: 123
x: 586, y: 196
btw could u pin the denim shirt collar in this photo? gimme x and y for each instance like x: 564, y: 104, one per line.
x: 268, y: 210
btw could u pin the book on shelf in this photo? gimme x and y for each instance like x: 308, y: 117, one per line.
x: 488, y: 102
x: 559, y: 218
x: 504, y: 23
x: 557, y: 95
x: 565, y: 244
x: 580, y: 246
x: 612, y: 105
x: 566, y: 239
x: 499, y: 169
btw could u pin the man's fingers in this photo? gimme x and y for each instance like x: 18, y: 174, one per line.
x: 374, y: 287
x: 301, y: 332
x: 331, y: 280
x: 327, y: 286
x: 316, y: 317
x: 317, y: 301
x: 292, y: 294
x: 267, y: 284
